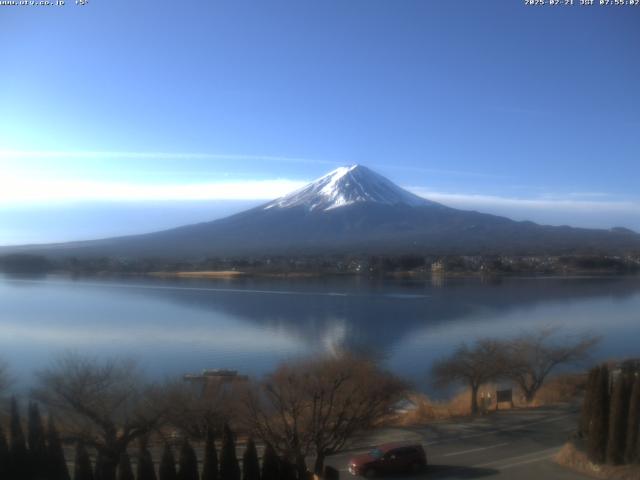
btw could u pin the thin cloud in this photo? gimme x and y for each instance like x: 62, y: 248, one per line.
x: 437, y: 171
x: 13, y: 155
x: 108, y: 155
x: 15, y: 190
x: 569, y: 202
x: 138, y: 155
x: 578, y: 195
x: 20, y: 191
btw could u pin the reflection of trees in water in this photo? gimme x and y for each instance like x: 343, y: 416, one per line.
x: 356, y: 312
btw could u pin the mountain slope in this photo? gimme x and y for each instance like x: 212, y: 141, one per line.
x: 352, y: 210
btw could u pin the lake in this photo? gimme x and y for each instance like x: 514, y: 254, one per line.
x: 251, y: 324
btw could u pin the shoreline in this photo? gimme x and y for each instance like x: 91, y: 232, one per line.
x: 236, y: 274
x: 231, y: 274
x: 408, y: 275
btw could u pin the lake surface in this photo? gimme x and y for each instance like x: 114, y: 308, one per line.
x: 177, y: 326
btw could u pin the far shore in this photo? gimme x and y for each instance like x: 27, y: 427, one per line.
x: 236, y: 274
x: 214, y: 274
x: 200, y: 274
x: 229, y: 274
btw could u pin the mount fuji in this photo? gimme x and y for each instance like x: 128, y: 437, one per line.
x: 351, y: 210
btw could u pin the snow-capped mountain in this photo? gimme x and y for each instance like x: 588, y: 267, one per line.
x: 351, y: 210
x: 347, y: 186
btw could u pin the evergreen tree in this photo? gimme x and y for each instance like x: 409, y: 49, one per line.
x: 618, y: 421
x: 270, y: 464
x: 167, y: 465
x: 287, y: 470
x: 229, y: 467
x: 597, y: 441
x: 82, y: 469
x: 4, y: 455
x: 188, y: 462
x: 632, y: 450
x: 19, y: 465
x: 57, y: 463
x: 250, y: 463
x: 99, y: 467
x: 105, y: 467
x: 585, y: 416
x: 125, y: 472
x: 37, y: 443
x: 210, y: 466
x: 330, y: 473
x: 145, y: 470
x: 301, y: 468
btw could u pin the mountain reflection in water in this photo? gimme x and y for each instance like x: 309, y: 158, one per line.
x: 251, y: 324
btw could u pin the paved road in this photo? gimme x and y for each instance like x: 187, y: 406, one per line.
x: 509, y: 444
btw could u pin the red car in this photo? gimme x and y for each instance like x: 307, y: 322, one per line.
x: 389, y: 458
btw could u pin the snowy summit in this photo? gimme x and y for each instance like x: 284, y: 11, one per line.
x: 346, y: 186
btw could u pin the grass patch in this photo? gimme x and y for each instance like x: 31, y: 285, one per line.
x: 570, y: 456
x: 199, y: 274
x: 427, y: 410
x: 560, y: 389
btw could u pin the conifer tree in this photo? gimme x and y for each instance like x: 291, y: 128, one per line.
x: 167, y: 469
x: 270, y: 464
x: 229, y: 467
x: 188, y: 462
x: 250, y: 463
x: 37, y: 443
x: 19, y: 465
x: 56, y: 462
x: 105, y: 467
x: 125, y: 472
x: 287, y: 470
x: 598, y: 431
x: 330, y: 473
x: 585, y: 416
x: 99, y: 467
x: 210, y: 466
x: 632, y: 449
x: 145, y: 469
x: 4, y: 455
x: 82, y: 469
x: 618, y: 421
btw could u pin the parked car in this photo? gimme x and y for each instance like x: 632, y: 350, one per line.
x: 389, y: 458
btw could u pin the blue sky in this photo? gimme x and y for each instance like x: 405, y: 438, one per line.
x: 121, y: 116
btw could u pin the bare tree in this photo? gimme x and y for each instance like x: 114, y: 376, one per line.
x: 105, y: 405
x: 197, y: 409
x: 472, y: 365
x: 5, y: 383
x: 314, y: 407
x: 5, y: 377
x: 532, y: 356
